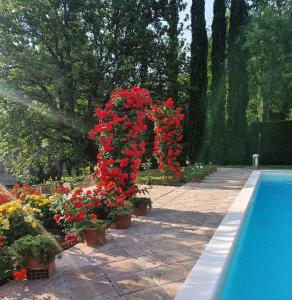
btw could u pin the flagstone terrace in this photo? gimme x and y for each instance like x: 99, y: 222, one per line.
x: 152, y: 258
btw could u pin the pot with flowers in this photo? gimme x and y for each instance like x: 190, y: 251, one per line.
x: 122, y: 216
x: 81, y: 212
x: 36, y: 252
x: 92, y: 231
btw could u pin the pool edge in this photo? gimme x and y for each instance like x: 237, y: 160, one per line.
x: 203, y: 281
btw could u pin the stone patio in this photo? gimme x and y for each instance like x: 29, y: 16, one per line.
x: 152, y: 258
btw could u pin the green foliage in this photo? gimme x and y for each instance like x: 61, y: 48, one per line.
x: 136, y: 201
x: 198, y: 80
x: 218, y: 84
x: 78, y: 227
x: 237, y: 99
x: 268, y: 38
x: 43, y: 247
x: 275, y: 142
x: 59, y: 59
x: 5, y: 264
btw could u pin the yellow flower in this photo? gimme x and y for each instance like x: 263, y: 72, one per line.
x: 11, y: 210
x: 33, y: 225
x: 28, y: 219
x: 5, y: 224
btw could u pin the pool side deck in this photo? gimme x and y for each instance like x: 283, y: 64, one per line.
x: 152, y: 258
x: 204, y: 279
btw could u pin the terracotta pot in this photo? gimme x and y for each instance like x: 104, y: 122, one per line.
x: 141, y: 210
x: 37, y: 269
x: 34, y: 263
x: 94, y: 237
x: 122, y: 221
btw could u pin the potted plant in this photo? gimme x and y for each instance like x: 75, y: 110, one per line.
x: 122, y: 215
x: 82, y: 213
x: 142, y: 205
x: 92, y: 231
x: 36, y: 252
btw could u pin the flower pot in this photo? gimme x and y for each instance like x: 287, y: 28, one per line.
x: 141, y: 210
x: 34, y: 263
x: 196, y: 178
x: 122, y: 221
x: 38, y: 270
x: 94, y: 236
x: 212, y: 170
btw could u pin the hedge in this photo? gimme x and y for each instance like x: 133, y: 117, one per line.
x: 275, y: 144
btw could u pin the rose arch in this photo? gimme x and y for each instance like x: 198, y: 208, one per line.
x: 119, y: 133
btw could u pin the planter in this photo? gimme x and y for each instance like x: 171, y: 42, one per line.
x: 94, y: 237
x: 122, y: 221
x: 33, y: 263
x: 196, y: 179
x: 141, y: 210
x: 38, y: 270
x: 212, y: 170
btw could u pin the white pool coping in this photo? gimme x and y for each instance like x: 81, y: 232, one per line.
x: 204, y: 279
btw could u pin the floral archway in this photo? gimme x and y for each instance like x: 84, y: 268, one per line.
x: 120, y: 132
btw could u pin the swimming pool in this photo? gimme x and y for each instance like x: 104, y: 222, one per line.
x: 250, y: 255
x: 261, y: 264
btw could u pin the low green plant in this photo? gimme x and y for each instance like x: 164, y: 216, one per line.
x: 136, y: 201
x: 5, y: 263
x: 98, y: 224
x: 43, y: 247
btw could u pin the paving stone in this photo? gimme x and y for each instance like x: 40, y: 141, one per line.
x: 120, y: 267
x: 132, y: 282
x: 166, y: 274
x: 156, y: 293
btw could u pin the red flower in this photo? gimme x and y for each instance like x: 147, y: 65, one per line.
x: 93, y: 217
x: 57, y: 218
x: 124, y: 162
x: 20, y: 275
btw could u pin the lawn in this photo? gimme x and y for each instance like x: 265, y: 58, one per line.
x: 190, y: 173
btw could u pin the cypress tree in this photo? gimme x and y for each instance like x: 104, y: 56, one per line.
x: 173, y: 49
x: 218, y: 83
x: 237, y: 99
x: 198, y: 79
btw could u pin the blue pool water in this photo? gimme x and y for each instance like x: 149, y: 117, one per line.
x: 260, y: 267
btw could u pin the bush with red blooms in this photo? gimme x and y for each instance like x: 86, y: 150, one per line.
x: 70, y: 240
x: 168, y: 135
x: 4, y: 197
x: 22, y: 191
x: 20, y: 275
x: 119, y: 133
x: 80, y: 209
x: 61, y: 189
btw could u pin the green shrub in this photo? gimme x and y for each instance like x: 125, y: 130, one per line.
x: 5, y: 264
x: 275, y: 142
x: 42, y: 247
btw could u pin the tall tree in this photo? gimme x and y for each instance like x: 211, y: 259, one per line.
x: 198, y: 79
x: 172, y: 62
x: 218, y: 83
x: 269, y: 66
x: 65, y: 57
x: 237, y: 99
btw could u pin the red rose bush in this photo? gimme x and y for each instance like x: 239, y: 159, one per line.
x: 168, y: 135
